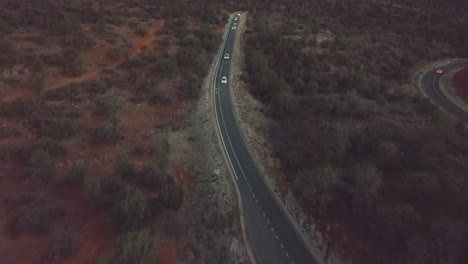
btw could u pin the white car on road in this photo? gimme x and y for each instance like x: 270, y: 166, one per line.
x: 224, y: 79
x: 226, y: 56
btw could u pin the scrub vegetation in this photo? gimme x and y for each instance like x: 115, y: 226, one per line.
x: 89, y: 91
x: 363, y: 150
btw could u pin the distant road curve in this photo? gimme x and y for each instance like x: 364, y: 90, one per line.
x: 430, y: 84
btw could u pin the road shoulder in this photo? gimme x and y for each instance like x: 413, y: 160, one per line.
x: 254, y: 127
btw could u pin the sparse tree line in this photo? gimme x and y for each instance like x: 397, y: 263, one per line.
x: 390, y: 165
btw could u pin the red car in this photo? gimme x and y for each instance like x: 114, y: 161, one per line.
x: 439, y: 71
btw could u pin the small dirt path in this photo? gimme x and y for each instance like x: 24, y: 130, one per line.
x: 95, y: 69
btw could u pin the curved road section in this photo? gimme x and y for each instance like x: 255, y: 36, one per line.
x: 268, y: 231
x: 430, y: 83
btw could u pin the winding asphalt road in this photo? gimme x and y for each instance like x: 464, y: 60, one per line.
x: 268, y: 231
x: 430, y: 83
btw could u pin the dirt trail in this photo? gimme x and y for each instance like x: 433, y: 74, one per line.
x: 96, y: 68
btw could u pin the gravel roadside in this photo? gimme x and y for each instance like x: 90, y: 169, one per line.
x: 255, y: 126
x: 210, y: 208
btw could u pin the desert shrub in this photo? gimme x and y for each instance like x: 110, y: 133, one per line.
x: 21, y: 151
x: 63, y: 245
x: 134, y: 62
x: 80, y: 40
x: 131, y: 211
x: 135, y: 247
x: 123, y: 166
x: 67, y: 22
x: 171, y: 194
x: 100, y: 86
x: 75, y: 67
x: 190, y: 41
x: 166, y: 67
x: 58, y: 128
x: 39, y: 83
x: 186, y: 56
x: 35, y: 219
x: 41, y: 165
x: 50, y: 145
x: 105, y: 106
x: 317, y: 186
x: 102, y: 29
x: 152, y: 176
x: 209, y: 40
x: 104, y: 191
x: 20, y: 108
x: 160, y: 96
x: 68, y: 92
x: 8, y: 54
x: 334, y: 143
x: 421, y: 186
x: 192, y: 86
x: 365, y: 187
x: 76, y: 175
x: 109, y: 131
x: 161, y: 149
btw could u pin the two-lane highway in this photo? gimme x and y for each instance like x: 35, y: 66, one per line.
x: 269, y: 233
x: 430, y: 83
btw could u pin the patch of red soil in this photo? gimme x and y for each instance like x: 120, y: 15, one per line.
x: 167, y: 251
x: 181, y: 175
x: 100, y: 62
x: 195, y: 27
x: 94, y: 236
x: 460, y: 81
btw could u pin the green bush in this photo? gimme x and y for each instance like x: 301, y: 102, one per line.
x: 105, y: 191
x: 161, y: 149
x: 365, y: 188
x: 131, y: 212
x: 100, y: 86
x: 135, y: 247
x: 123, y: 167
x: 186, y: 56
x: 152, y: 176
x: 192, y: 86
x: 160, y: 96
x: 171, y: 194
x: 50, y: 145
x: 166, y: 67
x: 105, y: 106
x: 76, y: 175
x: 58, y: 128
x: 20, y: 108
x: 317, y: 186
x: 109, y: 132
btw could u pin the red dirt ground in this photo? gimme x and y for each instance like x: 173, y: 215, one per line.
x: 460, y: 81
x: 100, y: 62
x: 95, y: 239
